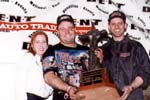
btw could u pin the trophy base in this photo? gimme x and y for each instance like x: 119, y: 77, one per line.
x: 99, y: 92
x: 95, y: 85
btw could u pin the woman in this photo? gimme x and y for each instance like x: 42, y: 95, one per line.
x: 35, y: 86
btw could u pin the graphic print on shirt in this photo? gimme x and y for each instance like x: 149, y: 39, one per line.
x: 70, y: 64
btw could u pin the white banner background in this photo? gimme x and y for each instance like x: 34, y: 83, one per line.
x: 27, y: 12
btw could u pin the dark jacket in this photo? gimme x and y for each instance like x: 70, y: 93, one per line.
x: 125, y: 60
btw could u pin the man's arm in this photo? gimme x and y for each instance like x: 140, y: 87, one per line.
x: 54, y: 81
x: 128, y: 89
x: 137, y: 82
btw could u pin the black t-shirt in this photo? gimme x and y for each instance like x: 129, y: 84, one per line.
x: 68, y: 63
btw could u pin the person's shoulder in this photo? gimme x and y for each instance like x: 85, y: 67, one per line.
x: 50, y: 46
x: 107, y: 44
x: 27, y: 55
x: 57, y: 45
x: 82, y: 47
x: 26, y: 58
x: 49, y: 51
x: 135, y: 43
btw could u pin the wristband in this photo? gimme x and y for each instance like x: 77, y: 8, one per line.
x: 68, y: 89
x: 132, y: 87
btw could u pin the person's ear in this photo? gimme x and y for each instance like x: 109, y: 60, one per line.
x: 126, y: 25
x: 75, y: 30
x: 57, y: 33
x: 108, y: 27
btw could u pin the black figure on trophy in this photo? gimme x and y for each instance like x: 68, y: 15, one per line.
x: 92, y: 38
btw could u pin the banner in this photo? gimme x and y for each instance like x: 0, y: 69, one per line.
x: 19, y: 18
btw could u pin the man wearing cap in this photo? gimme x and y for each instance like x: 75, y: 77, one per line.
x: 126, y: 60
x: 64, y: 54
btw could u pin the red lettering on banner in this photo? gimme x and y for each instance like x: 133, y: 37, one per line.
x: 28, y: 26
x: 38, y: 26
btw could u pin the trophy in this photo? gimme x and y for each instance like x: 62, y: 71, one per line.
x: 95, y: 74
x: 92, y: 38
x: 95, y: 83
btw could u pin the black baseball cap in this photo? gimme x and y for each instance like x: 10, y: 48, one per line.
x: 118, y: 14
x: 65, y: 17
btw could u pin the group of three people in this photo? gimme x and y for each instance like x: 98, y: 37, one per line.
x: 126, y: 60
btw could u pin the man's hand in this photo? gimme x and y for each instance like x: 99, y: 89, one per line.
x: 99, y: 53
x: 126, y: 92
x: 74, y: 95
x: 128, y: 89
x: 53, y: 80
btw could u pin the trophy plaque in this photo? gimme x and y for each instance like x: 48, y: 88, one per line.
x: 95, y: 86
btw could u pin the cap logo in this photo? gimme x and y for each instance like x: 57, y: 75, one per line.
x: 116, y: 14
x: 64, y: 17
